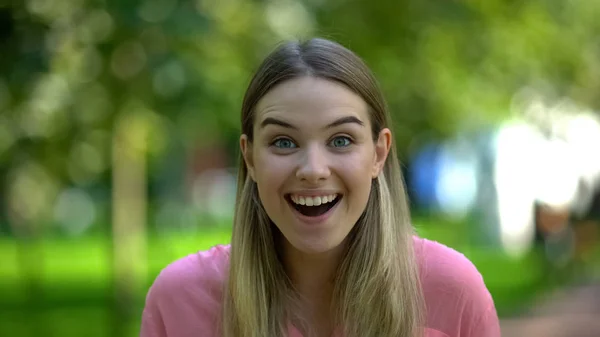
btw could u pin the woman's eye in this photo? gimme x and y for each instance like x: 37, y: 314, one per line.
x: 284, y: 143
x: 341, y: 141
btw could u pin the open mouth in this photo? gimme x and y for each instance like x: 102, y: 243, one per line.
x: 313, y: 206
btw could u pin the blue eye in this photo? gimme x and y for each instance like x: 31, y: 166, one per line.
x: 284, y: 143
x: 340, y: 141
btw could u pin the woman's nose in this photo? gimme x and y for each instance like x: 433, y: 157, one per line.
x: 314, y: 165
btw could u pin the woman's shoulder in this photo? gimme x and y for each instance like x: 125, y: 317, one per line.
x: 186, y: 295
x: 204, y: 271
x: 210, y: 264
x: 439, y: 263
x: 457, y: 299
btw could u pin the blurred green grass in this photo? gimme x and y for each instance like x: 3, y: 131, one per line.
x: 76, y: 293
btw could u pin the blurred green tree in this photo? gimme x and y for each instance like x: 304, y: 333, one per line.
x: 179, y: 68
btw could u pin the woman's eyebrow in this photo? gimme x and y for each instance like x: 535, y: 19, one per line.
x: 274, y: 121
x: 344, y: 120
x: 337, y: 122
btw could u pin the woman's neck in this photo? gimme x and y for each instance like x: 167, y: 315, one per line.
x: 311, y: 274
x: 313, y: 278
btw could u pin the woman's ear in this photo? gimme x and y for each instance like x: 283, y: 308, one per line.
x: 382, y: 149
x: 246, y: 148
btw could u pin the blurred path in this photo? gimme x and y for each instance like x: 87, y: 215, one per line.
x: 571, y: 312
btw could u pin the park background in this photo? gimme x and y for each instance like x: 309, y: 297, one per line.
x: 119, y: 126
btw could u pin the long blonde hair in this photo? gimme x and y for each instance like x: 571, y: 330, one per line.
x: 377, y: 289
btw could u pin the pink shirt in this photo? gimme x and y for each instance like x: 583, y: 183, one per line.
x: 185, y: 299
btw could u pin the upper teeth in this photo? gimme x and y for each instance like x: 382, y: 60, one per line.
x: 313, y: 201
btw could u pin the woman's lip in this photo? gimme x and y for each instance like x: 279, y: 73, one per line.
x: 288, y: 196
x: 313, y: 193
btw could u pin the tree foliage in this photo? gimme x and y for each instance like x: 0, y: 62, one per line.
x: 69, y: 69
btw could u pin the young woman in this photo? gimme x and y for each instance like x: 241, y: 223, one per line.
x: 322, y: 242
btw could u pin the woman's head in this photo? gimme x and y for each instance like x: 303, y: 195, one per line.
x: 318, y: 58
x: 315, y: 136
x: 315, y: 129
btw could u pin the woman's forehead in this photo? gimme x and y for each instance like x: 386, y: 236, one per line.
x: 310, y: 97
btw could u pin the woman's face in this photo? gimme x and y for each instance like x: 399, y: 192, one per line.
x: 313, y: 159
